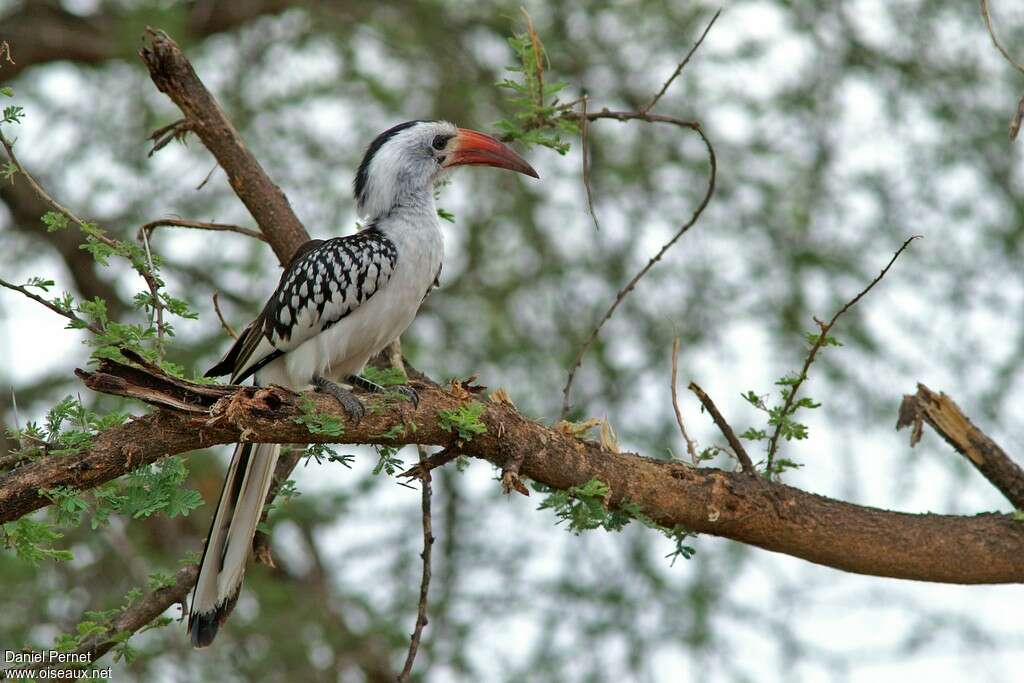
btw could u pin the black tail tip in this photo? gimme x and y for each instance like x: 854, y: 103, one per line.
x: 203, y: 628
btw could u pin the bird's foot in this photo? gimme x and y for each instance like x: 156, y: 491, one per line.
x: 353, y: 407
x: 405, y: 391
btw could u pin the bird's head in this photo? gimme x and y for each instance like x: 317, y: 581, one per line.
x: 403, y: 163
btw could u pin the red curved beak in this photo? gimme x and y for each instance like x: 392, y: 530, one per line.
x: 478, y: 149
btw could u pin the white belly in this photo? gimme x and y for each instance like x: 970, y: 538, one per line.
x: 344, y: 348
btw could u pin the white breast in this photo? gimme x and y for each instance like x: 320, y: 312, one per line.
x: 344, y: 348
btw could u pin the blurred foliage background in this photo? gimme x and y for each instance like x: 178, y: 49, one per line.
x: 840, y: 129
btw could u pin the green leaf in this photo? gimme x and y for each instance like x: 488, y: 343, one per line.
x: 54, y: 221
x: 386, y: 377
x: 30, y: 541
x: 13, y: 114
x: 316, y: 422
x: 465, y: 420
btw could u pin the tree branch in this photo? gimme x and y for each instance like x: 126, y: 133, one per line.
x: 173, y: 75
x: 148, y: 228
x: 821, y: 340
x: 428, y: 544
x: 725, y: 428
x: 946, y: 418
x: 1015, y: 120
x: 44, y: 32
x: 682, y: 65
x: 59, y: 310
x: 691, y: 445
x: 985, y: 548
x: 683, y: 229
x: 141, y: 612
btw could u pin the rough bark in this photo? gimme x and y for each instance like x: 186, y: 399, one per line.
x: 987, y: 548
x: 946, y: 418
x: 173, y: 75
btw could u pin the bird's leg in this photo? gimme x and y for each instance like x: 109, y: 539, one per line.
x: 407, y: 392
x: 353, y: 406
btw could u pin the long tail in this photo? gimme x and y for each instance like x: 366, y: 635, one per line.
x: 227, y: 547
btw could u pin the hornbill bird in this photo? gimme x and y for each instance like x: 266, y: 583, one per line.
x: 339, y: 302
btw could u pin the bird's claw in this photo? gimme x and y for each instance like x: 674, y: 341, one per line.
x: 408, y: 393
x: 353, y: 407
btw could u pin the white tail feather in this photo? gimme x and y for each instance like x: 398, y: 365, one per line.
x: 230, y: 540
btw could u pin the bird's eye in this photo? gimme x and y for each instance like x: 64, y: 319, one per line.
x: 439, y: 142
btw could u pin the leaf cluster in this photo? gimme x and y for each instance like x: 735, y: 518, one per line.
x: 464, y: 420
x: 537, y: 117
x: 585, y: 508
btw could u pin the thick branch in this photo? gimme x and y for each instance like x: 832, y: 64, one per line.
x: 987, y: 548
x: 43, y: 32
x: 946, y: 418
x: 173, y: 75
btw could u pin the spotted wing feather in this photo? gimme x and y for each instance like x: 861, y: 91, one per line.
x: 325, y: 282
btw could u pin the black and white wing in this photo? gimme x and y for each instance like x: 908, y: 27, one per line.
x: 325, y: 282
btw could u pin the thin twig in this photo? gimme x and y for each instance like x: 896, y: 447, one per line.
x: 99, y: 235
x: 207, y: 178
x: 538, y: 56
x: 17, y: 424
x: 43, y: 194
x: 738, y: 450
x: 620, y: 297
x: 606, y: 113
x: 161, y: 137
x: 92, y: 327
x: 1018, y: 115
x: 442, y: 457
x: 682, y: 65
x: 1015, y: 121
x: 428, y: 543
x: 154, y: 293
x: 199, y: 225
x: 223, y: 323
x: 995, y: 41
x: 824, y: 329
x: 585, y: 148
x: 691, y: 446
